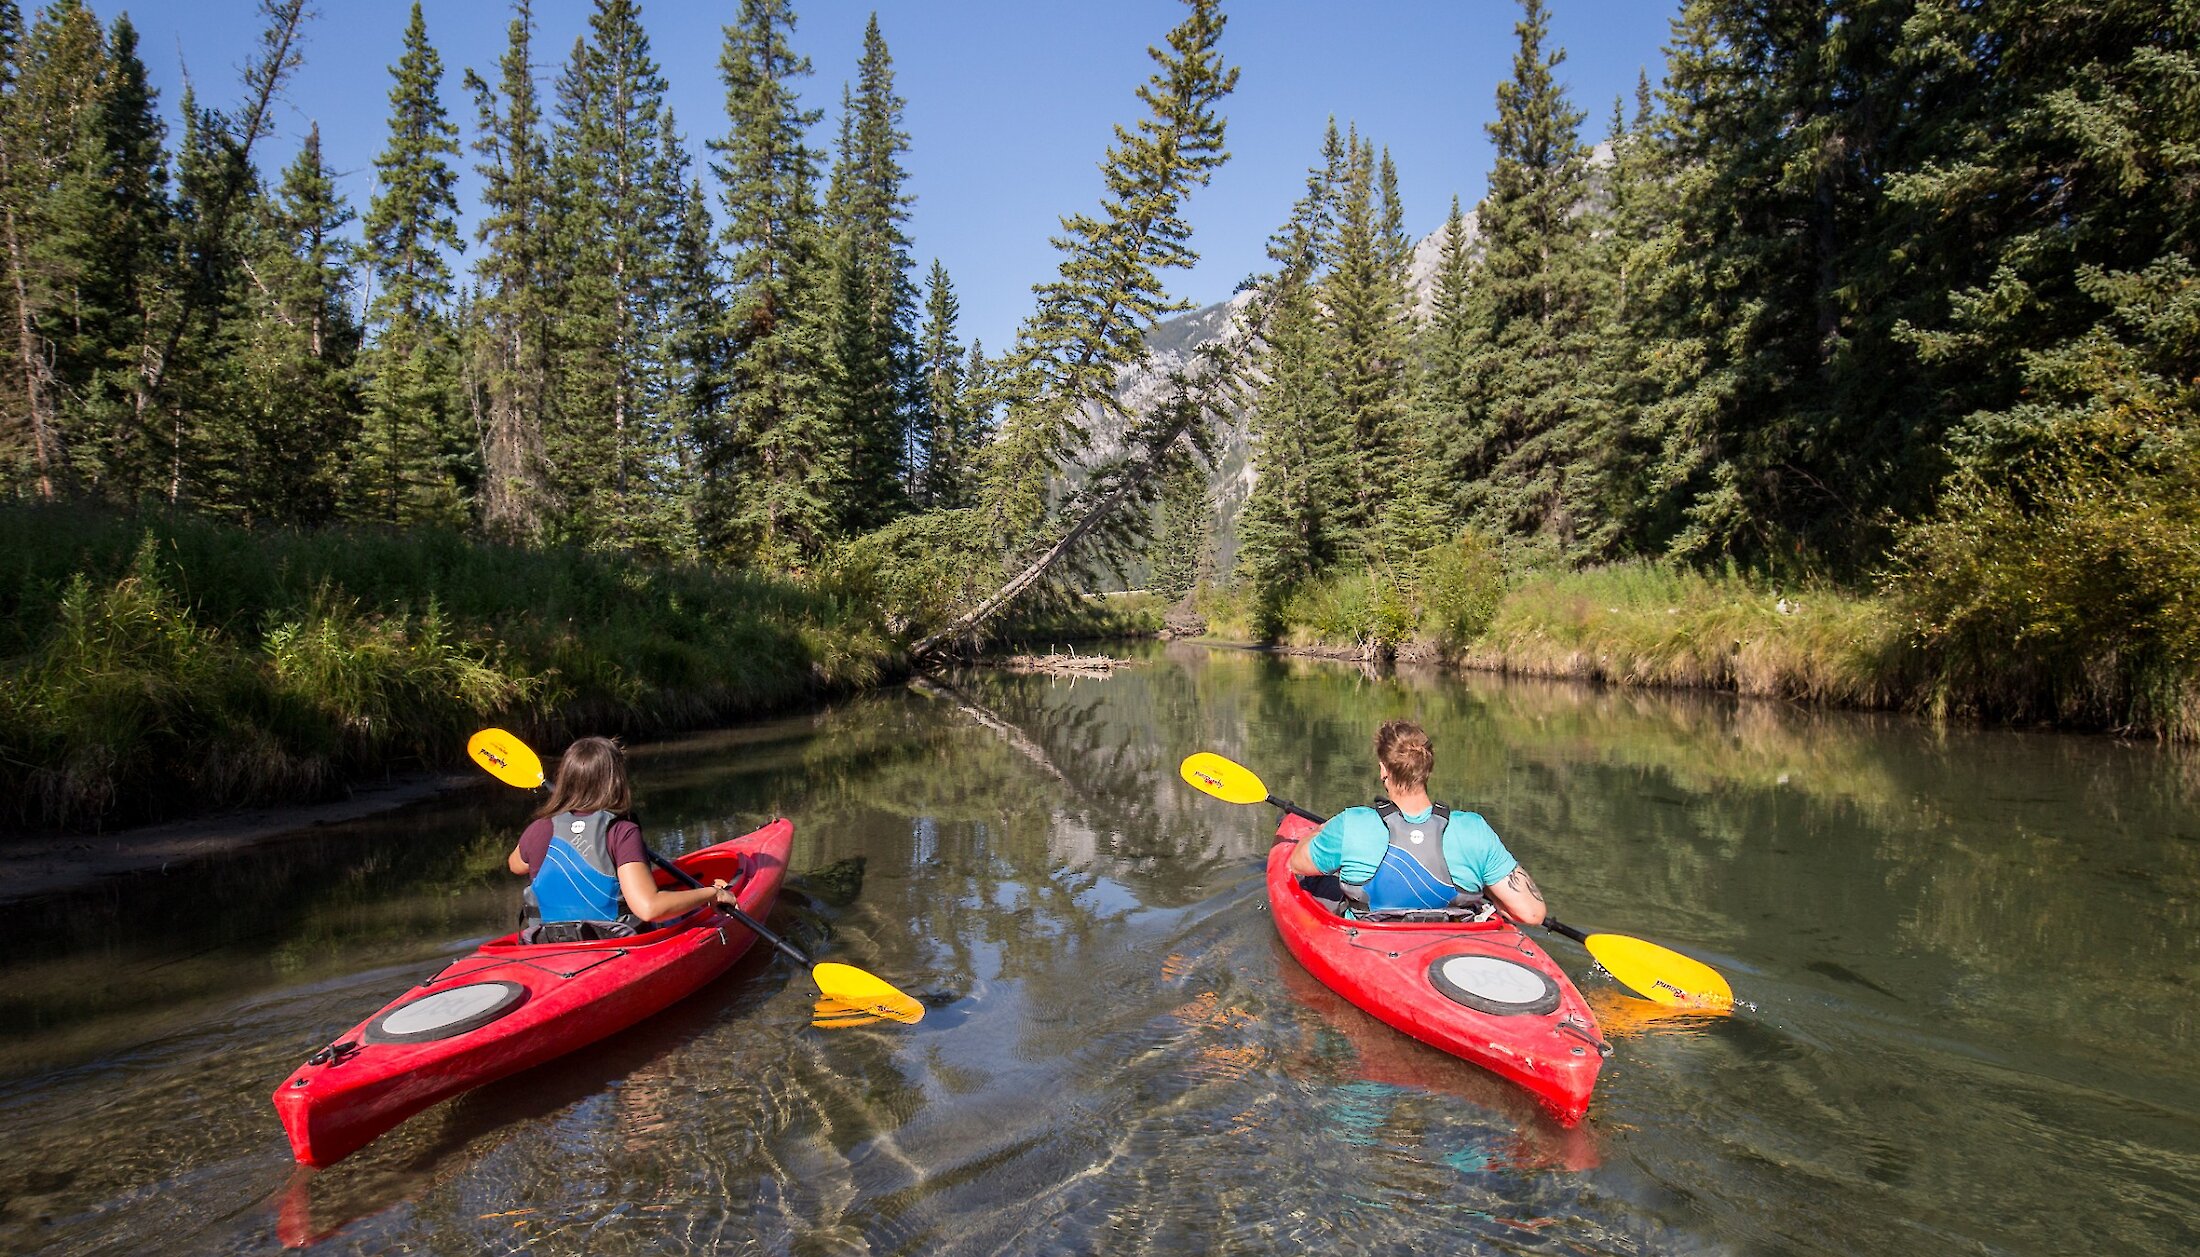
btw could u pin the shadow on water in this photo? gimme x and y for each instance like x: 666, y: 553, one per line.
x: 1971, y: 953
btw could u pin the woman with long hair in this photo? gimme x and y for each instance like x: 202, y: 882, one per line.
x: 583, y: 856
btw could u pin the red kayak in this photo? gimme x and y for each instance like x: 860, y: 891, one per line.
x: 510, y: 1006
x: 1480, y: 991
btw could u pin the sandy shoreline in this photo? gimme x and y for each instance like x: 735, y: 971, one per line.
x: 44, y: 863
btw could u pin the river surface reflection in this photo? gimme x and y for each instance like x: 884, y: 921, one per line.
x: 1971, y: 955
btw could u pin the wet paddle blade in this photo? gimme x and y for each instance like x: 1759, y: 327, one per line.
x: 508, y: 759
x: 1661, y: 974
x: 831, y: 1014
x: 850, y: 986
x: 1225, y: 779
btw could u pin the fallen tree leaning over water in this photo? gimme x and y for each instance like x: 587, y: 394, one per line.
x: 1090, y: 327
x: 1110, y: 508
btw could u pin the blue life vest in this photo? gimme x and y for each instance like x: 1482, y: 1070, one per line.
x: 577, y: 881
x: 1413, y: 874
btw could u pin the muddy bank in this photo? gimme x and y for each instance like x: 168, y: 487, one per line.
x: 37, y: 864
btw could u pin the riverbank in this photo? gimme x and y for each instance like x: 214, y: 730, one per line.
x: 162, y: 665
x: 1659, y: 625
x: 39, y: 864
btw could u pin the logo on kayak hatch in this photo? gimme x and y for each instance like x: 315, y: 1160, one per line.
x: 1416, y: 835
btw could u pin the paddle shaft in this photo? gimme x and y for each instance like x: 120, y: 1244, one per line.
x: 732, y: 910
x: 1555, y: 926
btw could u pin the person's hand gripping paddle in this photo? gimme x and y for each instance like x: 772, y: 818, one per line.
x: 851, y: 996
x: 1653, y: 972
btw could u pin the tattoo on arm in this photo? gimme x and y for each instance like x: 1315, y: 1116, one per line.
x: 1520, y: 881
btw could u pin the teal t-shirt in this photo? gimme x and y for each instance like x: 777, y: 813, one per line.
x: 1354, y: 840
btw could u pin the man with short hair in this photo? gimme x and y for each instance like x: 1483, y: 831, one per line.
x: 1406, y: 853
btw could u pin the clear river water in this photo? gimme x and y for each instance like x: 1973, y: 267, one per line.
x: 1969, y: 959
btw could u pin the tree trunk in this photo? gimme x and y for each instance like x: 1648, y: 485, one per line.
x: 37, y: 376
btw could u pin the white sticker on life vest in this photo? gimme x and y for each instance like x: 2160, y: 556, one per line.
x: 578, y: 826
x: 1416, y: 835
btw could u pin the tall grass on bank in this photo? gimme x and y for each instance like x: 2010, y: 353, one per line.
x: 1653, y: 624
x: 2073, y: 605
x: 1638, y: 623
x: 156, y: 665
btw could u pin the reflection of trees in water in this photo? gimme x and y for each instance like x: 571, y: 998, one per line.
x: 1747, y: 827
x: 1015, y: 823
x: 1935, y: 863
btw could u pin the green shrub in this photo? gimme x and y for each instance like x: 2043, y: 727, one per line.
x: 1461, y: 584
x: 2058, y: 578
x: 1227, y: 609
x: 921, y: 569
x: 1339, y: 608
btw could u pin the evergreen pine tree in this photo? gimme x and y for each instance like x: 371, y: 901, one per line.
x: 128, y: 285
x: 86, y: 174
x: 288, y: 407
x: 179, y: 380
x: 1092, y: 317
x: 1366, y: 330
x: 1289, y: 529
x: 1526, y: 454
x: 408, y: 461
x: 1092, y: 321
x: 695, y: 348
x: 204, y: 440
x: 877, y: 317
x: 1623, y: 512
x: 949, y: 428
x: 772, y: 463
x: 2048, y: 193
x: 622, y: 195
x: 1186, y: 537
x: 1781, y: 426
x: 518, y: 293
x: 31, y: 438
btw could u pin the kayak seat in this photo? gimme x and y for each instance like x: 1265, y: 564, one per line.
x: 627, y: 926
x: 1466, y: 914
x: 1338, y: 898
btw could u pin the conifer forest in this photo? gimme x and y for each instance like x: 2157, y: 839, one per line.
x: 1854, y: 357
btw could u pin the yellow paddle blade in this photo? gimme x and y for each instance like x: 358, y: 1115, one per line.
x: 831, y: 1014
x: 1227, y: 780
x: 1661, y: 974
x: 851, y: 986
x: 506, y: 757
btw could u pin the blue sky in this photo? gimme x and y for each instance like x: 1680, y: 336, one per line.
x: 1010, y: 104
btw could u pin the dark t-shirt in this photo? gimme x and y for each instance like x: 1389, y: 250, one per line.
x: 625, y: 841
